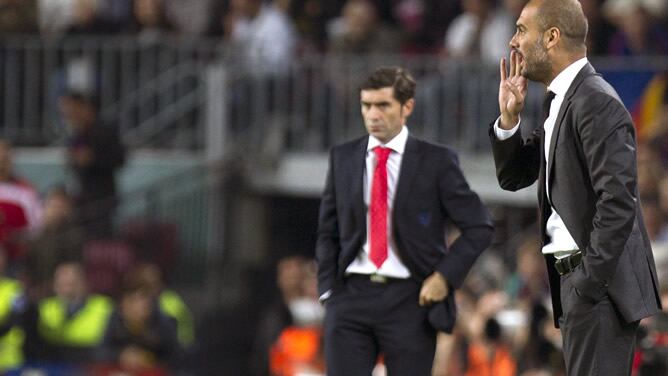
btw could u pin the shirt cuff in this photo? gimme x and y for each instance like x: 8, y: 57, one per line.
x: 504, y: 134
x: 325, y: 296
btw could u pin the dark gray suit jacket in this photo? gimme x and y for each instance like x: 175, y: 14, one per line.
x: 593, y: 187
x: 431, y: 191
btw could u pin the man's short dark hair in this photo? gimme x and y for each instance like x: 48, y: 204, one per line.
x: 397, y: 78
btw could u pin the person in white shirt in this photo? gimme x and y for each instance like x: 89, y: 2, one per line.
x: 263, y: 36
x: 599, y: 260
x: 385, y: 273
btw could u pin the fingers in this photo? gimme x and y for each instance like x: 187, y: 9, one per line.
x: 513, y: 63
x: 502, y: 69
x: 429, y: 295
x: 519, y: 98
x: 425, y: 296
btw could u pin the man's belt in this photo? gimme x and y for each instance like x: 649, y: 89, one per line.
x: 569, y: 263
x: 375, y: 278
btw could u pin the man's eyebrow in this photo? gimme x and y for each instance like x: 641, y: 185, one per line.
x: 376, y: 103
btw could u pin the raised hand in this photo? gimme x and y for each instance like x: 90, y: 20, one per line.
x: 512, y: 91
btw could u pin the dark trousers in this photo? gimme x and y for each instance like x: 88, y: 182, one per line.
x: 364, y: 319
x: 597, y: 340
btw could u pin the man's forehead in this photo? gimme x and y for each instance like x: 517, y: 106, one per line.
x: 528, y: 14
x: 385, y: 93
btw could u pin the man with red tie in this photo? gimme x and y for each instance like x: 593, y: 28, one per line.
x: 385, y: 272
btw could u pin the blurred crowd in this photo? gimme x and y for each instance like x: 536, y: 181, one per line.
x: 278, y: 30
x: 64, y: 299
x: 77, y: 296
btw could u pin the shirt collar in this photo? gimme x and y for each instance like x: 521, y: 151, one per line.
x: 563, y: 81
x: 397, y: 144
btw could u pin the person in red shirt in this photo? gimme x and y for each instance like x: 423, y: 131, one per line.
x: 20, y: 207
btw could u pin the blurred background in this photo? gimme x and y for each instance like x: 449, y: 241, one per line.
x: 161, y: 163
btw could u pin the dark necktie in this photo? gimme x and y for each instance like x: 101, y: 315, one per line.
x: 547, y: 101
x: 378, y: 208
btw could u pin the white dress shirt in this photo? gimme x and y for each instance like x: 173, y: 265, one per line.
x: 561, y: 242
x: 392, y: 267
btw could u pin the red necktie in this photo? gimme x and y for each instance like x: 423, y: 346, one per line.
x: 378, y: 208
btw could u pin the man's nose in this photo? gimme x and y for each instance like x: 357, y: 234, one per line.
x: 373, y: 113
x: 513, y: 42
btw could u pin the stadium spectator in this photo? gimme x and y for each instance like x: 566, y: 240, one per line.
x: 168, y: 301
x: 423, y: 23
x: 489, y: 355
x: 149, y: 20
x: 639, y: 33
x: 360, y: 31
x: 481, y: 31
x: 189, y: 17
x: 57, y: 240
x: 529, y: 282
x: 600, y: 29
x: 298, y: 348
x: 540, y: 350
x: 72, y: 323
x: 94, y: 154
x: 86, y: 20
x: 139, y: 336
x: 20, y: 207
x: 263, y: 37
x: 290, y: 275
x: 11, y: 334
x: 18, y: 16
x: 55, y: 16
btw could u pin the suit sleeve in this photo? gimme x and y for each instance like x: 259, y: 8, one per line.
x: 469, y: 215
x: 327, y: 245
x: 517, y: 161
x: 608, y: 144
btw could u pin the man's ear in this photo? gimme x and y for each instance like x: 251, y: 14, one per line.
x: 407, y: 107
x: 551, y: 37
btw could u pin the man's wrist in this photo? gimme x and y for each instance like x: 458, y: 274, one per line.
x: 508, y: 122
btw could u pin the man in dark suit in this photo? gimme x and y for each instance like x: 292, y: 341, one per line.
x: 385, y: 273
x: 602, y: 274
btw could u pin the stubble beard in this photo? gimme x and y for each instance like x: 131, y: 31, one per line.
x: 537, y: 65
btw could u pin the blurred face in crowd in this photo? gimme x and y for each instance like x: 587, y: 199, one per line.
x: 478, y: 7
x: 5, y: 160
x: 69, y: 282
x: 248, y: 8
x: 514, y: 6
x: 84, y: 11
x: 290, y: 276
x: 635, y: 24
x: 383, y: 114
x: 57, y: 208
x: 360, y: 19
x: 151, y: 275
x: 136, y: 307
x: 77, y: 113
x: 148, y: 12
x: 529, y: 44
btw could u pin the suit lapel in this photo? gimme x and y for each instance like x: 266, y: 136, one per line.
x: 409, y: 165
x: 587, y: 70
x: 357, y: 166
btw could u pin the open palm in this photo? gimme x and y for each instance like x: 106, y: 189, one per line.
x: 512, y: 91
